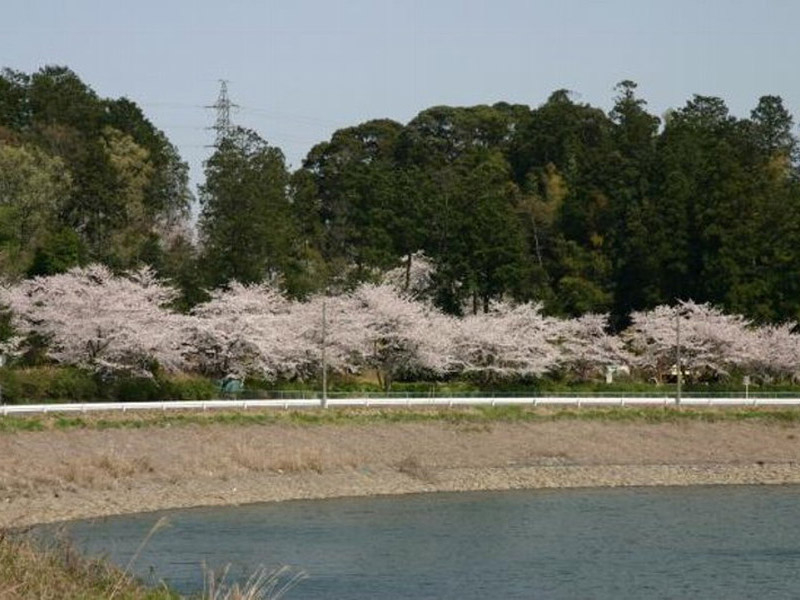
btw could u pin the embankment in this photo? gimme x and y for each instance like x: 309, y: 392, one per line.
x: 74, y: 473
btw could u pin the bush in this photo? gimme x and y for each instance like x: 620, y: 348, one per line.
x: 66, y: 384
x: 134, y: 389
x: 162, y: 387
x: 47, y: 384
x: 187, y: 387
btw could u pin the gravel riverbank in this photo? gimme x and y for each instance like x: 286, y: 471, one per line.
x: 57, y: 475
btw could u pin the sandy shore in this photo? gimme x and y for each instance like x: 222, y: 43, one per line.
x: 57, y: 475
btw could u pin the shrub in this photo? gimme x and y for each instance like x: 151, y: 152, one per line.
x: 47, y: 384
x: 67, y: 384
x: 134, y: 389
x: 187, y: 387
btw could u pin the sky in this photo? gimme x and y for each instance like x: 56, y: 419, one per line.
x: 300, y: 69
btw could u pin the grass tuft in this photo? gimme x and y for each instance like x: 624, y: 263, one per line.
x: 413, y: 467
x: 29, y: 569
x: 262, y: 585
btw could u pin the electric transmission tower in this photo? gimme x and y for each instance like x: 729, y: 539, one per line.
x: 222, y: 126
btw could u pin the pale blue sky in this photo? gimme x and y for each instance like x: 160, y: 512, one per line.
x: 301, y: 69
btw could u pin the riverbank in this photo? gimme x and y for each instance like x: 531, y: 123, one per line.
x: 54, y: 475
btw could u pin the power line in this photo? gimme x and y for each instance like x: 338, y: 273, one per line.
x: 264, y: 112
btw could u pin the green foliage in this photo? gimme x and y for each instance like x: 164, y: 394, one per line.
x: 33, y: 188
x: 186, y: 387
x: 66, y: 384
x: 133, y: 389
x: 58, y: 252
x: 71, y: 161
x: 245, y: 224
x: 47, y: 384
x: 562, y: 203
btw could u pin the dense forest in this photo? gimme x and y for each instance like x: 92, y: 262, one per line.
x: 565, y: 204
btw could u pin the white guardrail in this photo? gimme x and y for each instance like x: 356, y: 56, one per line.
x: 562, y: 401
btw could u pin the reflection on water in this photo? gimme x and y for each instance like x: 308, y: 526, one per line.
x: 710, y: 542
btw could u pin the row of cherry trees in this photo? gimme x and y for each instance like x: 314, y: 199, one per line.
x: 90, y: 318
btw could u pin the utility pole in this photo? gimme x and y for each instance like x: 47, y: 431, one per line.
x: 222, y: 125
x: 678, y: 354
x: 324, y: 358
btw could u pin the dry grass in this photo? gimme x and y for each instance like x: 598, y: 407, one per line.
x: 250, y: 457
x: 31, y: 569
x: 298, y: 461
x: 62, y: 474
x: 57, y: 571
x: 263, y: 584
x: 412, y: 466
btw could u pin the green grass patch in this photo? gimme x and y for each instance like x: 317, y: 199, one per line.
x: 369, y: 416
x: 12, y: 424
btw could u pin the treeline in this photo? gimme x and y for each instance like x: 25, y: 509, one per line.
x: 85, y: 179
x: 564, y: 204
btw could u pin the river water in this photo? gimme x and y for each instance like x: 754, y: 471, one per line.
x: 702, y: 542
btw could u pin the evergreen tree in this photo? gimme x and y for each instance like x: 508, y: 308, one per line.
x: 246, y: 228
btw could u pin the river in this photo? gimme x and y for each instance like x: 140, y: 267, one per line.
x: 693, y: 542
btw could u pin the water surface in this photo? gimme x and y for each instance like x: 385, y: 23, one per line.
x: 704, y: 542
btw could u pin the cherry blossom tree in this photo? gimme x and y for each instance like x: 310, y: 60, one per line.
x: 711, y: 342
x: 90, y: 318
x: 776, y: 353
x: 586, y: 347
x: 414, y: 278
x: 508, y: 341
x: 376, y: 328
x: 248, y: 330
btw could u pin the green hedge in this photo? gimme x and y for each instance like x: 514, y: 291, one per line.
x: 66, y: 384
x: 47, y: 384
x: 188, y: 387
